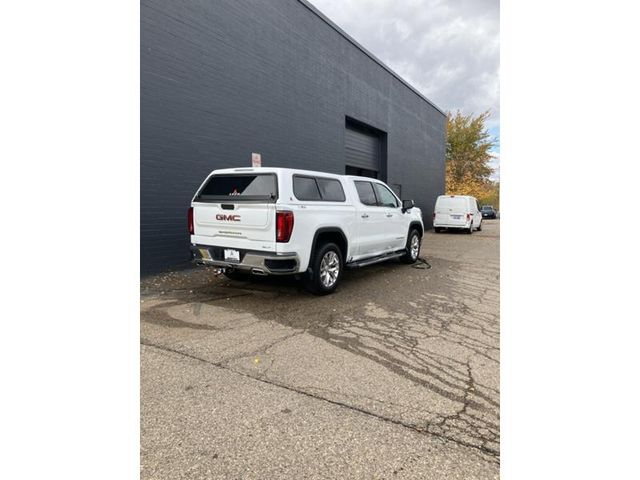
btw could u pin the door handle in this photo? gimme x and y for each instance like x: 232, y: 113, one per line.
x: 389, y: 214
x: 364, y: 215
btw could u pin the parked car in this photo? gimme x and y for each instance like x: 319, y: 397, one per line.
x: 457, y: 212
x: 280, y: 221
x: 488, y: 211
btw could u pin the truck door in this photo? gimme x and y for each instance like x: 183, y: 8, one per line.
x: 396, y: 223
x: 371, y: 222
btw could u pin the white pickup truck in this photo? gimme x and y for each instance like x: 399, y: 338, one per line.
x: 277, y: 221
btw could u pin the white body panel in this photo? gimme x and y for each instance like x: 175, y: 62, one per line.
x: 456, y: 211
x: 257, y: 228
x: 369, y: 230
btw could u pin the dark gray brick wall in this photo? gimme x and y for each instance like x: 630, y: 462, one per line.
x: 223, y: 78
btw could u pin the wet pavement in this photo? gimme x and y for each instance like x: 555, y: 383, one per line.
x: 395, y: 375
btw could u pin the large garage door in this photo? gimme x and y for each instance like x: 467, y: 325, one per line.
x: 362, y: 149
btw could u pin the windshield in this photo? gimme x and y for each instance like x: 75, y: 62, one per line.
x: 239, y: 187
x: 486, y: 207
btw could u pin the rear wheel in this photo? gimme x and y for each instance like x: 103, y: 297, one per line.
x: 325, y: 270
x: 470, y: 229
x: 412, y: 247
x: 437, y: 229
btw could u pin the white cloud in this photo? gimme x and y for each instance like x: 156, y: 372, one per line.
x: 448, y: 50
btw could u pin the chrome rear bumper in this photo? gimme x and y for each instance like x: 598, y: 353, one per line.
x: 259, y: 263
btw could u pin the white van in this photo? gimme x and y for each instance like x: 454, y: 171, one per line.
x: 457, y: 211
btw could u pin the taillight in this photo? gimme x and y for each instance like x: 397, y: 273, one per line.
x: 468, y: 216
x: 284, y: 226
x: 434, y: 215
x: 190, y: 220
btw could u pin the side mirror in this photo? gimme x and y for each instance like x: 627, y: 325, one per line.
x: 407, y: 205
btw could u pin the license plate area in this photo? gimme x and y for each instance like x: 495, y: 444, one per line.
x: 456, y: 217
x: 231, y: 255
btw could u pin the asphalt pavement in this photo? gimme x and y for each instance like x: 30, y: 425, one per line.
x: 395, y: 375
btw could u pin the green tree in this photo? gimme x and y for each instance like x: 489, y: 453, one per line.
x: 492, y: 196
x: 468, y: 155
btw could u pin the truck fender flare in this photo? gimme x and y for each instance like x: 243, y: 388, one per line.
x: 337, y: 230
x: 417, y: 226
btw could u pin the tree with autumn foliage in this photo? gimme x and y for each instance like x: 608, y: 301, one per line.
x: 468, y: 155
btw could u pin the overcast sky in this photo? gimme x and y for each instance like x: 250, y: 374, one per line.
x: 448, y: 49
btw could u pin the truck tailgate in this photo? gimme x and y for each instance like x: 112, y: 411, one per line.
x: 240, y: 225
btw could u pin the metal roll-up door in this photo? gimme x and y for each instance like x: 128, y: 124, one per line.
x: 362, y: 149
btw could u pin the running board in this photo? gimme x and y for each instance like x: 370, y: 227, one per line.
x: 370, y: 261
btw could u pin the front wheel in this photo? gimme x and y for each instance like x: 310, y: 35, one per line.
x: 480, y: 227
x: 325, y: 270
x: 412, y: 247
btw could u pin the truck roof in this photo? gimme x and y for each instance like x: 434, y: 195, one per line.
x: 455, y: 196
x: 277, y: 170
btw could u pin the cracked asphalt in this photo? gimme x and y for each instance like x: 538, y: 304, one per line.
x: 396, y: 375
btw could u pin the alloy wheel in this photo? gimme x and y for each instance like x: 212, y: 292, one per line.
x: 415, y: 247
x: 329, y: 269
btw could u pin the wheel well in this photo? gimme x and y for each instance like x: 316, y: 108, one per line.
x: 418, y: 227
x: 331, y: 235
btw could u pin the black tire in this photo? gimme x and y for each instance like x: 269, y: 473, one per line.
x: 480, y: 227
x: 437, y: 229
x: 412, y: 254
x: 238, y: 275
x: 315, y: 281
x: 470, y: 229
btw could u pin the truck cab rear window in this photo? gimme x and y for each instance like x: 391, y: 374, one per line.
x: 365, y: 192
x: 240, y: 187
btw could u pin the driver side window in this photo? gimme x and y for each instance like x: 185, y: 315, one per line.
x: 385, y: 197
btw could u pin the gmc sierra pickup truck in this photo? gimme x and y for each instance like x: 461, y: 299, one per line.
x: 280, y: 221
